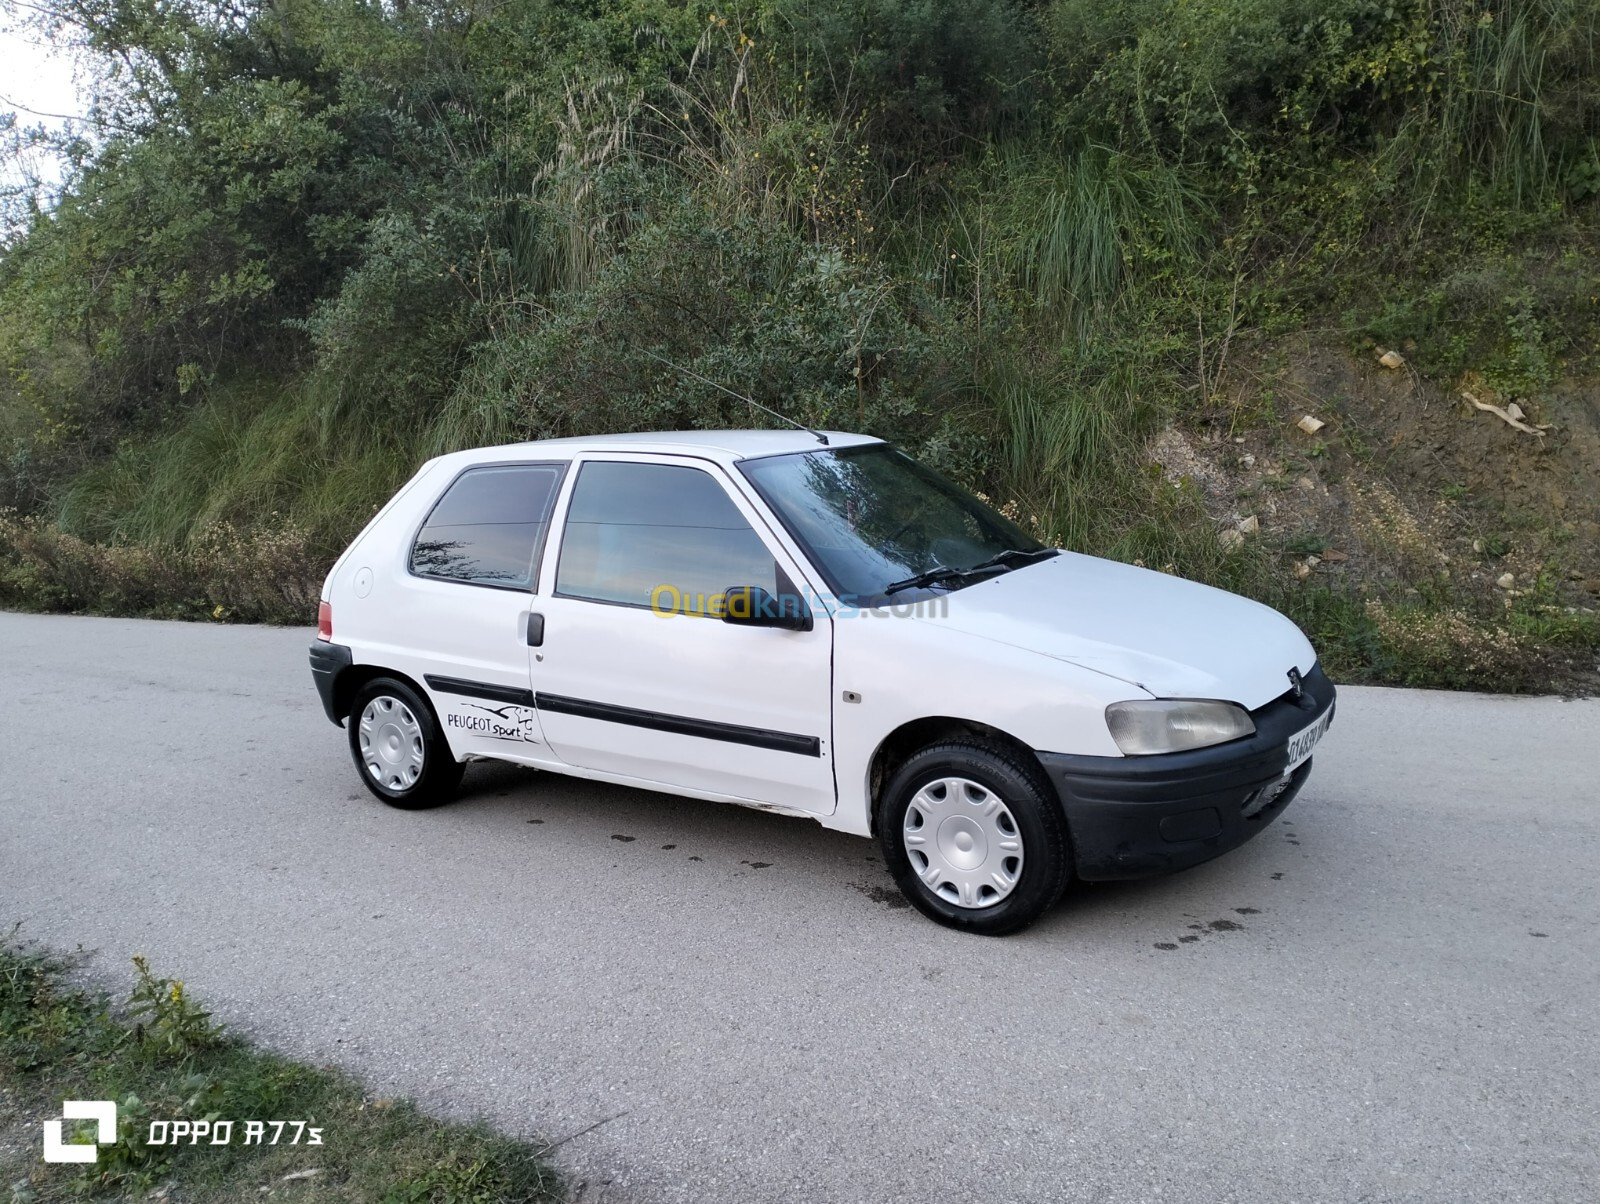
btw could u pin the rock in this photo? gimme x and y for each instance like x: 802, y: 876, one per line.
x: 1311, y: 425
x: 1392, y: 359
x: 1249, y: 526
x: 1248, y: 460
x: 1505, y: 580
x: 1515, y: 411
x: 1305, y: 484
x: 1335, y: 555
x: 1302, y: 569
x: 1230, y: 539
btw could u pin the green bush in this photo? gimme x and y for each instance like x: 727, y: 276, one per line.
x: 749, y: 304
x: 312, y: 243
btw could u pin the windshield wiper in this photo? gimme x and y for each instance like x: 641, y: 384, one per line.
x: 1014, y: 558
x: 938, y: 573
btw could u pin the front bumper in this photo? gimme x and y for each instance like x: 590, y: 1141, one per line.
x: 1135, y: 817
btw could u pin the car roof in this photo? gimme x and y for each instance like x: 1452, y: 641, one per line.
x: 725, y: 446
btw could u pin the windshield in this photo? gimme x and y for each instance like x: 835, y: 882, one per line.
x: 871, y: 517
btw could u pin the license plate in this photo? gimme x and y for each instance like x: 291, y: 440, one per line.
x: 1303, y: 741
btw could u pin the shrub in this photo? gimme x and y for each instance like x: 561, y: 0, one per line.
x: 259, y: 576
x: 1449, y: 648
x: 824, y: 337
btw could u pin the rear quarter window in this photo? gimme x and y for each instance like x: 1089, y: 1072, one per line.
x: 488, y: 527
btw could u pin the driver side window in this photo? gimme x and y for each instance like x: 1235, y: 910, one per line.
x: 633, y: 529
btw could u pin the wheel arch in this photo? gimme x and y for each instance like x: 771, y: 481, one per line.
x: 352, y: 678
x: 905, y: 740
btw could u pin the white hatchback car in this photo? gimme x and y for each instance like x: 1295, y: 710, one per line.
x: 817, y: 625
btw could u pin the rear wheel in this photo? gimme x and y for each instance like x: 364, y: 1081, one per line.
x: 401, y: 754
x: 974, y: 837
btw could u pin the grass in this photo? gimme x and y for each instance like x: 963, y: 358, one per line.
x: 1094, y: 226
x: 1436, y: 644
x: 162, y: 1057
x: 249, y: 450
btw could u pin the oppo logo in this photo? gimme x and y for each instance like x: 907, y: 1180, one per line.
x: 102, y: 1111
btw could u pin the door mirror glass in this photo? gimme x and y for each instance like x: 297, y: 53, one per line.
x: 752, y: 606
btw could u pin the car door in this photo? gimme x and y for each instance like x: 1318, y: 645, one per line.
x: 635, y: 677
x: 456, y: 617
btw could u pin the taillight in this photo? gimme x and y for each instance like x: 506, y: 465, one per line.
x: 324, y: 620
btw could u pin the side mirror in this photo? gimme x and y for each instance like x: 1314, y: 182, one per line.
x: 752, y: 606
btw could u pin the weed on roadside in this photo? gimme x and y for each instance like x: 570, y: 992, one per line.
x: 161, y: 1057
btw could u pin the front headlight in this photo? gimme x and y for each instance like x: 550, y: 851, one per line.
x: 1163, y: 725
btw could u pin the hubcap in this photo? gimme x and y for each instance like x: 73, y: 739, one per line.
x: 391, y: 743
x: 963, y: 843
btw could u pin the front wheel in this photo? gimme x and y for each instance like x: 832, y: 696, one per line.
x: 974, y: 838
x: 401, y: 754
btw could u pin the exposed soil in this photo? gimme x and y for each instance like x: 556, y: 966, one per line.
x: 1407, y: 490
x: 1402, y: 478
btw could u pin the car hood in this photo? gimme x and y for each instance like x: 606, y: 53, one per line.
x: 1170, y: 637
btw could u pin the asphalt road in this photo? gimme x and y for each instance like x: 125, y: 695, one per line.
x: 1392, y: 994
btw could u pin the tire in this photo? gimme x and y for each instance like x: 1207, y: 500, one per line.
x: 992, y: 855
x: 397, y: 746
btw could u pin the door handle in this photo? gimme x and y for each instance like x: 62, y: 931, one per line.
x: 535, y: 631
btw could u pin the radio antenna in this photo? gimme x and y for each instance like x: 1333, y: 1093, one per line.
x: 818, y: 435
